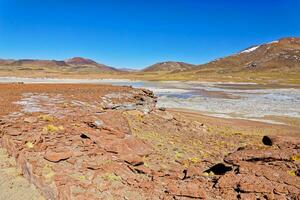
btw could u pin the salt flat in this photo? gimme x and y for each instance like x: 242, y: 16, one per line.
x: 230, y: 100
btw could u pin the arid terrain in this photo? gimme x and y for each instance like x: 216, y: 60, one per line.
x: 275, y: 62
x: 92, y: 141
x: 228, y: 129
x: 150, y: 100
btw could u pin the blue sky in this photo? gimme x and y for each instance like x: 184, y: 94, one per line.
x: 138, y: 33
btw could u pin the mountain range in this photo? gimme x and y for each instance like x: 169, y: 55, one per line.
x: 280, y: 57
x: 72, y: 64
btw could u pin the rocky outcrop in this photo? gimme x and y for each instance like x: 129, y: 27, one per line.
x: 143, y: 100
x: 270, y: 173
x: 112, y: 143
x: 70, y: 148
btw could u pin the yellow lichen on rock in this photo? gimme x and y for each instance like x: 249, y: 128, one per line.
x: 46, y: 118
x: 29, y: 145
x: 111, y: 177
x: 296, y: 158
x: 52, y: 129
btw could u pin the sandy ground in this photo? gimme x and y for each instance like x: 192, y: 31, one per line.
x: 246, y: 126
x: 13, y: 186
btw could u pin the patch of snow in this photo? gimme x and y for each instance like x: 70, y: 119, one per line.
x: 273, y: 42
x: 250, y: 49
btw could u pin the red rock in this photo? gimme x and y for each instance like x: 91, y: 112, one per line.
x: 229, y: 180
x: 147, y: 185
x: 194, y: 171
x: 186, y: 189
x: 57, y: 155
x: 138, y: 146
x: 141, y: 169
x: 261, y: 155
x: 174, y: 172
x: 248, y: 196
x: 71, y: 160
x: 132, y: 159
x: 264, y: 174
x: 281, y: 141
x: 276, y: 174
x: 129, y: 145
x: 30, y: 120
x: 255, y: 184
x: 112, y: 131
x: 13, y: 132
x: 277, y: 197
x: 119, y: 123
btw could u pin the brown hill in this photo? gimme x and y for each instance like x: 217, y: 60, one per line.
x: 80, y: 61
x: 73, y: 64
x: 88, y: 63
x: 38, y: 63
x: 6, y: 61
x: 169, y: 67
x: 283, y: 55
x: 274, y: 62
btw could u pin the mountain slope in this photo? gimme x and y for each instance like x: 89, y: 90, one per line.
x: 80, y: 61
x: 73, y: 64
x: 273, y: 62
x: 84, y: 62
x: 169, y: 67
x: 38, y: 63
x: 283, y: 55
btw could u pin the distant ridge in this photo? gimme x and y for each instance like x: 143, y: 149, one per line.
x: 169, y: 66
x: 72, y: 64
x: 271, y: 62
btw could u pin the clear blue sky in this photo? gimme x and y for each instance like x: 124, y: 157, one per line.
x: 138, y: 33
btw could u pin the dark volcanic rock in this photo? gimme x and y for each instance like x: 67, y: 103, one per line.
x: 282, y: 141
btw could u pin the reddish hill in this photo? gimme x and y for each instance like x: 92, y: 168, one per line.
x: 73, y: 64
x: 169, y: 67
x: 80, y: 61
x: 85, y: 62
